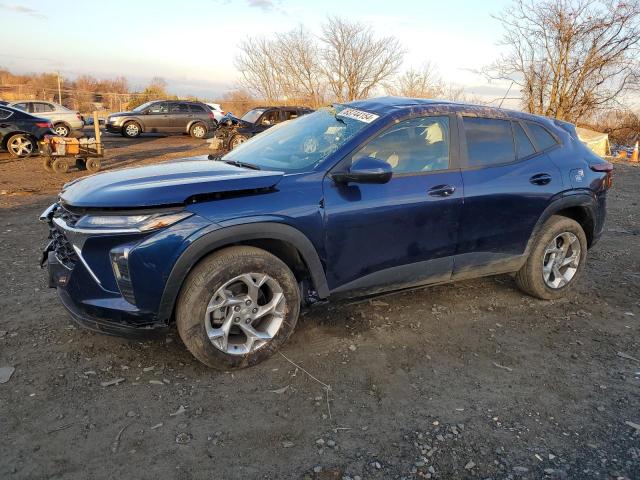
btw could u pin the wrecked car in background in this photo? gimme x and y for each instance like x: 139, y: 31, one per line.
x: 233, y: 131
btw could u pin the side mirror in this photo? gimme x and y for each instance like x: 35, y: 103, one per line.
x: 365, y: 170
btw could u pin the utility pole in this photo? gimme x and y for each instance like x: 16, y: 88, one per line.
x: 59, y: 91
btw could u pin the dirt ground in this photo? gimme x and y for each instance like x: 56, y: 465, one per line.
x: 471, y: 380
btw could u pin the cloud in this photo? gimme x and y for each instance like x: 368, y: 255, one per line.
x: 265, y: 5
x: 22, y: 9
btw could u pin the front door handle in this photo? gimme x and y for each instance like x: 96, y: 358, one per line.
x: 540, y: 179
x: 442, y: 191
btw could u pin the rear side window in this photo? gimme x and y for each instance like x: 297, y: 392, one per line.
x: 21, y: 106
x: 39, y: 107
x: 524, y: 147
x: 489, y: 141
x: 179, y: 108
x: 541, y: 136
x: 4, y: 114
x: 197, y: 108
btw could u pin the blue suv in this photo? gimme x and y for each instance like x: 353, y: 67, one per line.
x: 351, y: 200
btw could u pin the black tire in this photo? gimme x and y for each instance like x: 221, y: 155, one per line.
x: 18, y: 148
x: 131, y: 129
x: 198, y: 130
x: 60, y: 165
x: 236, y: 140
x: 530, y: 278
x: 61, y: 129
x: 210, y: 275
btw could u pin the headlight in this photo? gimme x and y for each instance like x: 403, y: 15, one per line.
x: 134, y: 223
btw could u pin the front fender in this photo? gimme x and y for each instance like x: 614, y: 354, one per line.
x: 217, y: 238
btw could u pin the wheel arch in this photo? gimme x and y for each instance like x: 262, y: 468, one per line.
x: 133, y: 119
x: 193, y: 122
x: 63, y: 122
x: 580, y: 207
x: 284, y: 241
x: 5, y: 138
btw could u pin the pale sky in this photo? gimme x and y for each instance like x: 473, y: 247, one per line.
x: 192, y: 44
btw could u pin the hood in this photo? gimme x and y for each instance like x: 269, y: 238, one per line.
x: 163, y: 184
x: 124, y: 114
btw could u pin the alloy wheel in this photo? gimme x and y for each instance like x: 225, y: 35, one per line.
x: 245, y: 313
x: 561, y: 259
x: 20, y: 146
x: 61, y: 130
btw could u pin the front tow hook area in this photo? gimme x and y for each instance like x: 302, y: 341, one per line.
x: 45, y: 254
x: 58, y: 274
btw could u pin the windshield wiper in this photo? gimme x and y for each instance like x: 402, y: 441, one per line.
x: 236, y: 163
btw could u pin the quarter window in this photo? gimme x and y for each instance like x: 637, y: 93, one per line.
x: 4, y: 114
x: 541, y: 136
x: 197, y: 108
x: 489, y: 141
x: 413, y: 146
x: 524, y: 147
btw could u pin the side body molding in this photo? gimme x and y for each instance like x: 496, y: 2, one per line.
x: 222, y: 237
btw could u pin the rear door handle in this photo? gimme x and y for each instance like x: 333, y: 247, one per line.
x: 442, y: 191
x: 540, y: 179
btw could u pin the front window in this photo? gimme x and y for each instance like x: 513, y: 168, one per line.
x: 300, y: 145
x: 143, y: 107
x: 252, y: 116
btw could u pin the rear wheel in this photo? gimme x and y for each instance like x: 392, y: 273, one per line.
x: 21, y: 145
x: 198, y: 130
x: 556, y: 259
x: 93, y: 164
x: 60, y: 165
x: 131, y: 130
x: 61, y: 129
x: 237, y: 307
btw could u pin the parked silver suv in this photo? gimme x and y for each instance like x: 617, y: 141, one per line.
x: 64, y: 120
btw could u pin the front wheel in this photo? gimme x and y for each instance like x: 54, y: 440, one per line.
x: 236, y: 140
x: 237, y: 307
x: 556, y: 259
x: 131, y: 130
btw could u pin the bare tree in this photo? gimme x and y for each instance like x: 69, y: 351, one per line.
x: 418, y: 83
x: 569, y: 57
x: 355, y: 60
x: 298, y: 65
x: 258, y: 64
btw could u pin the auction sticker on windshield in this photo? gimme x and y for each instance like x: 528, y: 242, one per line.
x: 365, y: 117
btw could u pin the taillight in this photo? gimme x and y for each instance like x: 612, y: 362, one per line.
x: 78, y: 115
x: 211, y: 117
x: 602, y: 167
x: 607, y: 168
x: 44, y: 124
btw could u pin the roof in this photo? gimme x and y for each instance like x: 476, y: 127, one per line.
x: 388, y: 105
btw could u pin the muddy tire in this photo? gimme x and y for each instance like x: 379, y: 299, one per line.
x: 236, y: 140
x: 198, y: 130
x: 60, y: 165
x: 237, y: 307
x: 93, y: 164
x: 131, y: 129
x: 556, y: 259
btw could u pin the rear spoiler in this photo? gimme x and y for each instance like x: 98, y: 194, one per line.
x: 570, y: 128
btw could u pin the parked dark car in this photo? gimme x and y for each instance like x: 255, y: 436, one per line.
x: 233, y: 131
x: 368, y: 197
x: 194, y: 118
x: 20, y: 132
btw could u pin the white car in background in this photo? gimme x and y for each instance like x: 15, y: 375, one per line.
x: 217, y: 111
x: 64, y: 120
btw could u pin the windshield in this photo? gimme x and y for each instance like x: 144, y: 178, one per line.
x: 252, y: 116
x: 142, y: 107
x: 299, y: 145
